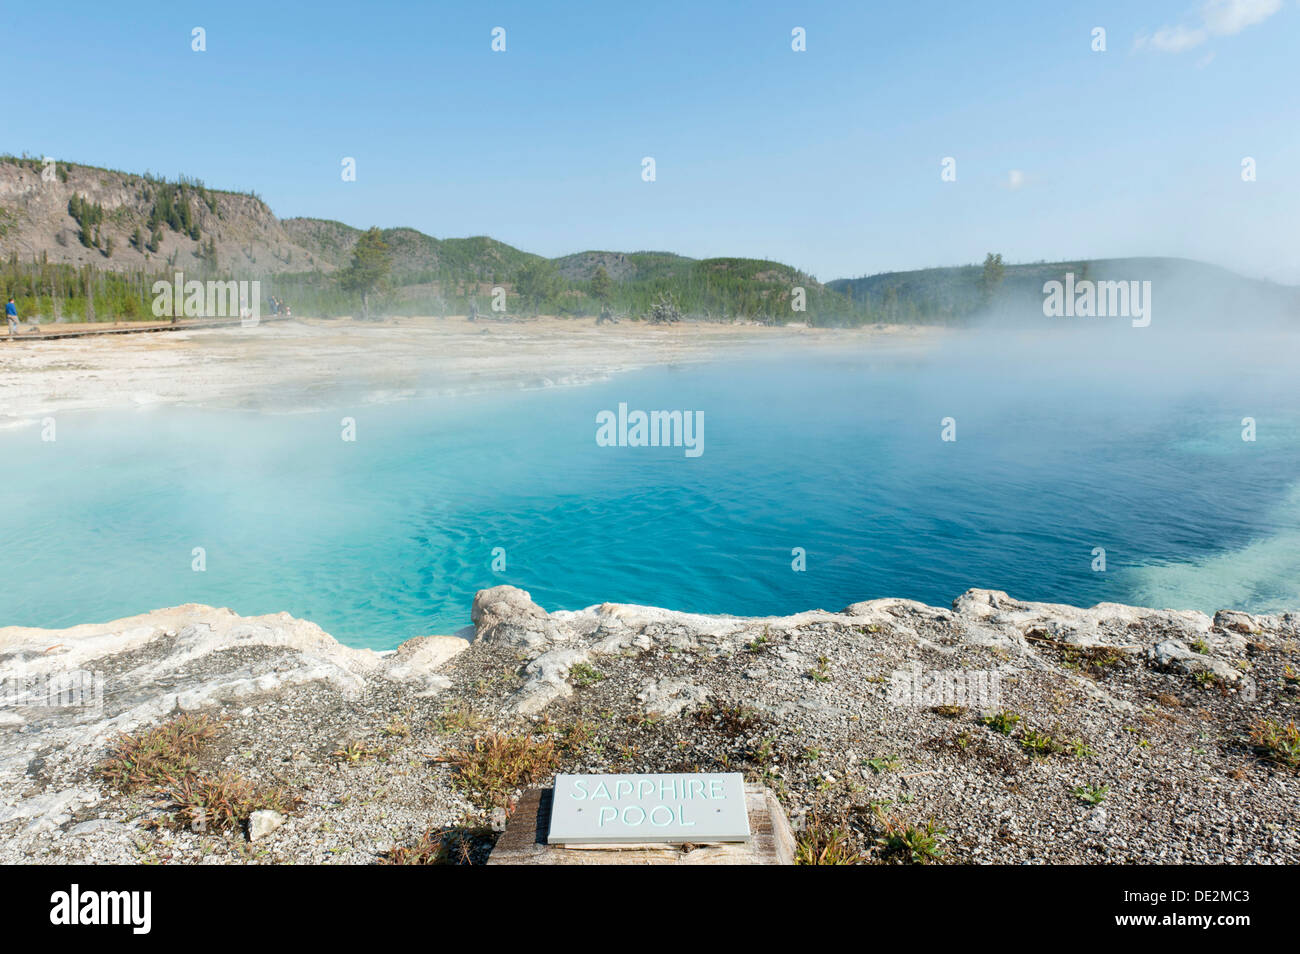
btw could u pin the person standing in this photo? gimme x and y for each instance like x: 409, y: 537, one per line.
x: 11, y: 316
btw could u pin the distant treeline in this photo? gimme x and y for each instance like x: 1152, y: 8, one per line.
x: 76, y: 292
x: 537, y: 288
x: 52, y: 292
x: 713, y: 289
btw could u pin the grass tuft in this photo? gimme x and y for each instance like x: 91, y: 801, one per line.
x: 1004, y: 721
x: 222, y: 802
x: 949, y: 711
x: 154, y: 758
x: 462, y: 844
x: 733, y: 721
x: 825, y: 841
x: 1277, y: 742
x: 455, y: 719
x: 1092, y: 794
x: 491, y: 767
x: 357, y: 751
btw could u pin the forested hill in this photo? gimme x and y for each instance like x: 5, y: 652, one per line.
x: 958, y: 294
x: 415, y: 257
x: 81, y: 241
x: 72, y: 235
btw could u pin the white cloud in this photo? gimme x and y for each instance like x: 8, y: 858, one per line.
x: 1227, y: 17
x: 1176, y: 39
x: 1212, y: 18
x: 1015, y: 179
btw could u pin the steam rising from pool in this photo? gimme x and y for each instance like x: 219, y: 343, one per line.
x: 1068, y: 439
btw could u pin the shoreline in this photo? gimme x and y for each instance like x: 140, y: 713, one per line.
x: 396, y: 358
x: 886, y: 712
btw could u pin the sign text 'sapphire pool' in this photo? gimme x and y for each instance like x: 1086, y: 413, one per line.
x: 632, y: 809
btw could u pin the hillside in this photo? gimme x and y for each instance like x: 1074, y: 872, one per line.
x: 83, y: 241
x: 956, y: 293
x: 669, y: 269
x: 621, y: 266
x: 119, y: 222
x: 416, y: 257
x: 711, y: 287
x: 122, y: 222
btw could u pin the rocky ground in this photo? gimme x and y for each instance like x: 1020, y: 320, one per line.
x: 997, y: 731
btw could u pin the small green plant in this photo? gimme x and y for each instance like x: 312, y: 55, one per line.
x: 1277, y: 742
x: 759, y: 642
x: 583, y: 674
x: 1092, y: 794
x: 765, y: 754
x: 456, y: 719
x: 1040, y: 743
x: 734, y: 721
x: 1080, y: 749
x: 397, y: 728
x: 578, y: 736
x: 356, y: 751
x: 821, y: 671
x: 1088, y: 659
x: 1004, y: 721
x: 916, y: 844
x: 1201, y: 646
x: 882, y: 764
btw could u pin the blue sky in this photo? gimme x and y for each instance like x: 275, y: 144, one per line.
x: 827, y: 159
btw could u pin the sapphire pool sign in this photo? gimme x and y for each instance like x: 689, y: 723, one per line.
x: 645, y: 809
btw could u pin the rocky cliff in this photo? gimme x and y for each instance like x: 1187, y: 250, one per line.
x: 994, y: 731
x: 65, y: 213
x: 37, y: 221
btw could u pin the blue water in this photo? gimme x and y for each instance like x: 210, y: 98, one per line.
x: 389, y: 536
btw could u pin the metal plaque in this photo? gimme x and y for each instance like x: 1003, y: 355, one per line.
x: 636, y: 809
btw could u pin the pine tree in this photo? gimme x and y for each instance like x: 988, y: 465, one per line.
x: 601, y: 286
x: 993, y: 274
x: 368, y: 270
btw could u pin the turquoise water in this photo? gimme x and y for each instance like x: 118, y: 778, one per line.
x: 389, y: 536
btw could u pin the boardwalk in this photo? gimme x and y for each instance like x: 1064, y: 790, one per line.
x: 92, y: 329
